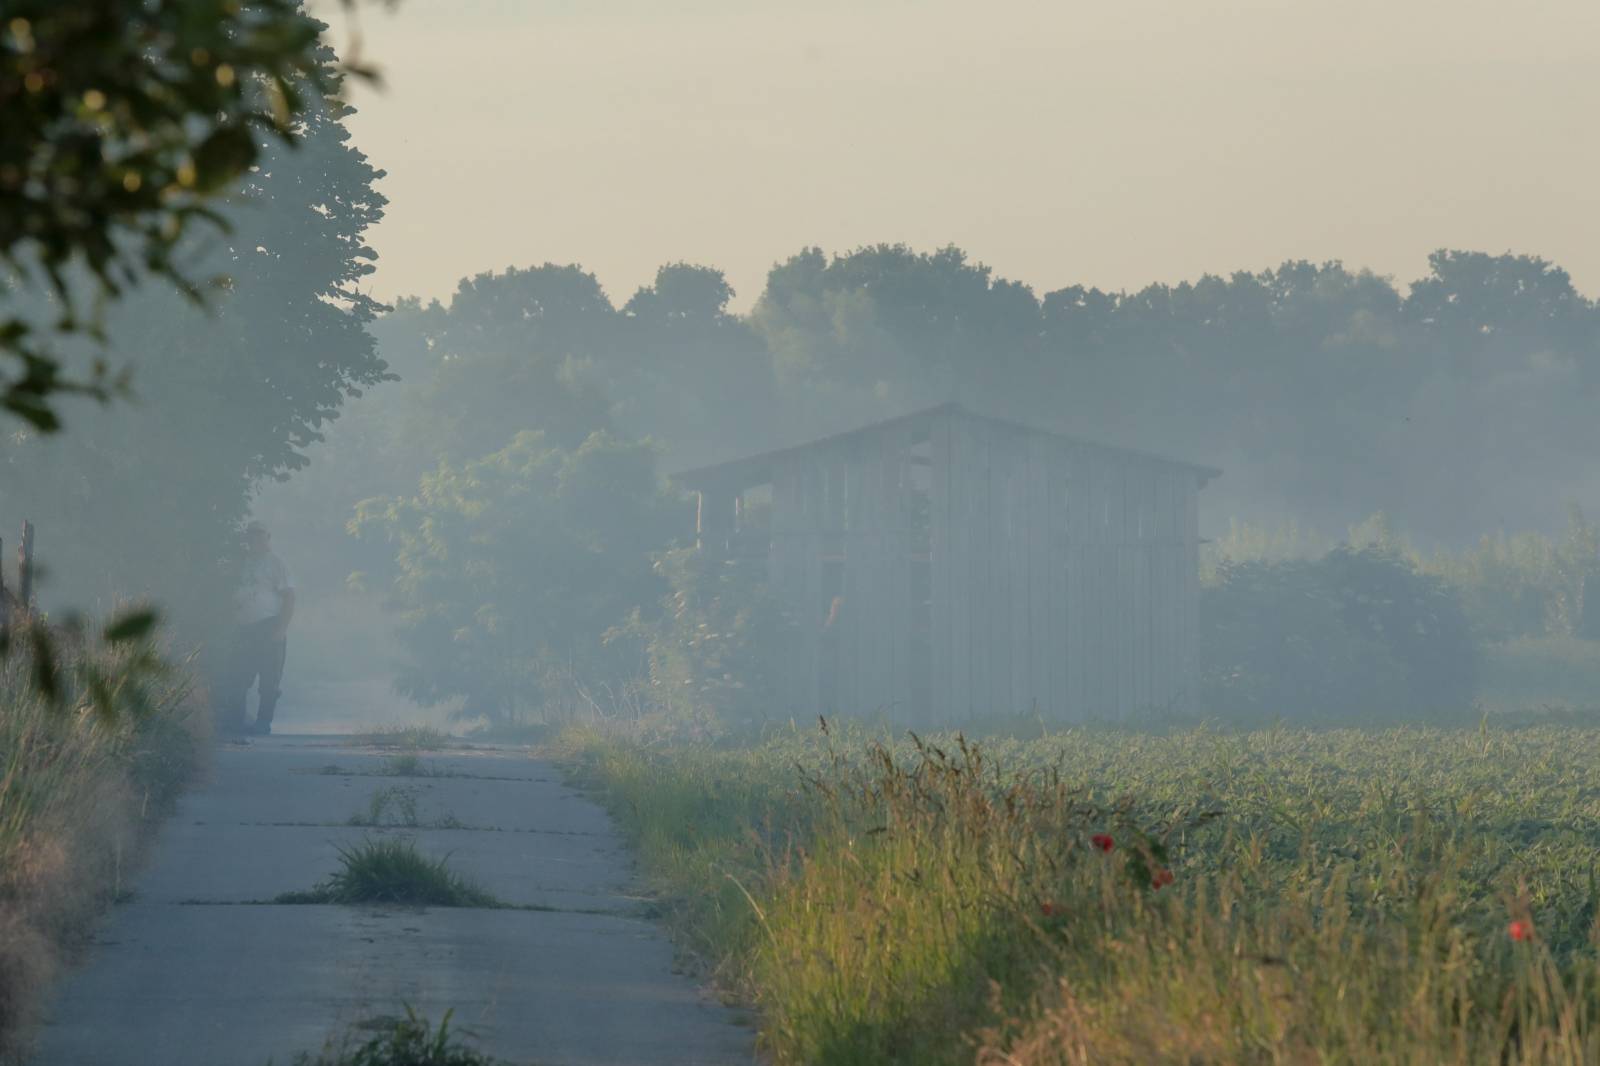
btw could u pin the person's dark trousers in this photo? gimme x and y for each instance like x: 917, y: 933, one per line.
x: 258, y: 655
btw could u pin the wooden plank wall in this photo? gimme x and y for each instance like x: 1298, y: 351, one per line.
x: 941, y: 624
x: 845, y: 509
x: 1063, y: 577
x: 1096, y: 611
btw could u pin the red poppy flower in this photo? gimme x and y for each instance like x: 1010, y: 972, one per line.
x: 1102, y: 841
x: 1520, y: 930
x: 1161, y: 877
x: 1048, y: 909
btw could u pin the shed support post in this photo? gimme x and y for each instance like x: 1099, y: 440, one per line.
x: 25, y: 569
x: 715, y: 520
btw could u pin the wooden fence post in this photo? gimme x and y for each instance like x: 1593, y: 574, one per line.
x: 25, y: 568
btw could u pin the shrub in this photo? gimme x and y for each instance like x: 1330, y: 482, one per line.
x: 511, y: 569
x: 1354, y: 631
x: 713, y: 651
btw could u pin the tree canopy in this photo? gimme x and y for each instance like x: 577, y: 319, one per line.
x: 124, y: 120
x: 144, y: 498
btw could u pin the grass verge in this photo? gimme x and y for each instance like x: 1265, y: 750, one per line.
x: 393, y: 871
x: 1282, y: 896
x: 81, y: 786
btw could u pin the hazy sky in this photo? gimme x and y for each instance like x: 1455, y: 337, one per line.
x: 1110, y: 143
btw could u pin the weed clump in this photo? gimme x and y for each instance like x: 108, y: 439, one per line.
x: 394, y: 872
x: 395, y: 806
x: 408, y: 765
x: 412, y: 1041
x: 409, y: 738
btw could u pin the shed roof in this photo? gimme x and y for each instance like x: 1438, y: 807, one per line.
x: 757, y: 469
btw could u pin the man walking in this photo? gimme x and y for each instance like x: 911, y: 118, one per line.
x: 263, y: 605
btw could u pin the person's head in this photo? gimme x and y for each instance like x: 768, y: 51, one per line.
x: 256, y: 538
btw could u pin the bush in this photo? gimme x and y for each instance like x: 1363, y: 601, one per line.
x: 713, y: 651
x: 511, y: 569
x: 1357, y: 631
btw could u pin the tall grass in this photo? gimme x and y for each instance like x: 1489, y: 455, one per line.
x: 81, y: 782
x: 1274, y: 897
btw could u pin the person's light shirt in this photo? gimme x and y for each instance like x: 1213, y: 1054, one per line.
x: 262, y: 583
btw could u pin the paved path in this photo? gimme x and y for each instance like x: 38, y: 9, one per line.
x: 195, y: 970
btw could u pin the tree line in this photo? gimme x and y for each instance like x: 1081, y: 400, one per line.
x: 1457, y: 404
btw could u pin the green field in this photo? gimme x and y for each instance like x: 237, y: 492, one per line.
x: 1402, y: 895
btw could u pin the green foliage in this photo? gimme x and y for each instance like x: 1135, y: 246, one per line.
x: 1246, y: 543
x: 1511, y: 586
x: 393, y: 871
x: 545, y: 348
x: 408, y: 765
x: 511, y: 569
x: 144, y: 499
x: 1533, y: 673
x: 688, y: 372
x: 86, y: 767
x: 1355, y: 632
x: 125, y: 120
x: 511, y: 354
x: 1339, y: 896
x: 1317, y: 388
x: 389, y: 808
x: 412, y: 1041
x: 883, y: 329
x: 1525, y: 584
x: 716, y: 648
x: 73, y: 672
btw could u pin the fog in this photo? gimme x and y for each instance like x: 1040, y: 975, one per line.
x: 845, y: 531
x: 474, y: 326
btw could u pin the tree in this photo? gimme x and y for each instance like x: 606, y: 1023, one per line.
x: 515, y: 351
x: 883, y: 330
x: 145, y: 497
x: 125, y: 119
x: 511, y: 569
x: 690, y: 374
x: 1321, y: 391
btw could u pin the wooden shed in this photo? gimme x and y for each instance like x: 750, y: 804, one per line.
x: 945, y: 566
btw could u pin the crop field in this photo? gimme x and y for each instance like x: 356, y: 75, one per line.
x: 1402, y: 895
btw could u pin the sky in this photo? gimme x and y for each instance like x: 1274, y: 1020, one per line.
x: 1112, y: 143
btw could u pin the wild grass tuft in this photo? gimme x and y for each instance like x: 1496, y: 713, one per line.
x: 415, y: 738
x: 393, y: 871
x: 391, y: 807
x: 407, y: 765
x: 411, y: 1041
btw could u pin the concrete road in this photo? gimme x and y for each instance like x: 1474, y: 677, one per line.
x: 198, y: 970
